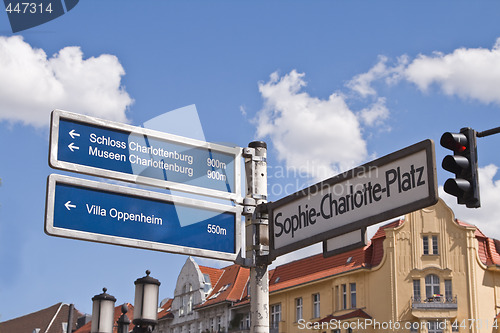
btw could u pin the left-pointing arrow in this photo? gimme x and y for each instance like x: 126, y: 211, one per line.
x: 73, y: 134
x: 68, y: 205
x: 72, y: 146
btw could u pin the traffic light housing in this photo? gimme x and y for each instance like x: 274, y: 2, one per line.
x: 463, y: 163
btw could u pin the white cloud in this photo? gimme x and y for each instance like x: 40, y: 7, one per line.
x: 308, y: 132
x: 468, y: 73
x: 362, y: 83
x: 487, y: 217
x: 32, y: 85
x: 375, y: 114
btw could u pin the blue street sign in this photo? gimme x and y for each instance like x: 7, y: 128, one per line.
x: 101, y: 212
x: 119, y: 151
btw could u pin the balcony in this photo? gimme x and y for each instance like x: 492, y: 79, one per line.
x: 436, y: 302
x: 437, y: 306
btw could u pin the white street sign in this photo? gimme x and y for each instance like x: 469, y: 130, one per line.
x: 390, y: 186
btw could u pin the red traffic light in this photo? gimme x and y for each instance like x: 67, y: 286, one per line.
x: 454, y: 141
x: 463, y: 163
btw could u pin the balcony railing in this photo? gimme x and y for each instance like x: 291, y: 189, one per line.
x: 435, y: 302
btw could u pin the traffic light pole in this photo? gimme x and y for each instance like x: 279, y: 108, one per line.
x: 492, y: 131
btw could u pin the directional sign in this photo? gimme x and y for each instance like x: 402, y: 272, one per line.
x: 107, y: 213
x: 390, y: 186
x: 113, y: 150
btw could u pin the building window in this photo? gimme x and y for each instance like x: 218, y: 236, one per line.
x: 245, y: 323
x: 435, y: 327
x: 344, y: 296
x: 435, y: 245
x: 212, y: 324
x: 448, y: 291
x: 298, y: 309
x: 431, y: 286
x: 186, y: 300
x: 275, y: 315
x: 316, y: 306
x: 352, y: 288
x: 190, y: 299
x: 416, y: 290
x: 426, y: 244
x: 181, y: 308
x: 219, y: 323
x: 337, y: 298
x: 206, y: 283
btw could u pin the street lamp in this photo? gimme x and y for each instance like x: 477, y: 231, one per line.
x: 123, y: 321
x: 145, y: 309
x: 146, y: 303
x: 103, y: 311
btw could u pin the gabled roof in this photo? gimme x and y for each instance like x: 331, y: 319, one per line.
x: 358, y: 313
x: 47, y: 320
x: 118, y: 312
x: 477, y: 233
x: 493, y: 255
x: 488, y: 248
x: 375, y: 252
x: 165, y: 310
x: 213, y: 273
x: 381, y: 231
x: 229, y: 287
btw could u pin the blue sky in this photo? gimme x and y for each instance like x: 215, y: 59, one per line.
x: 327, y: 84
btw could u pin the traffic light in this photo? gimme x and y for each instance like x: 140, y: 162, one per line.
x: 463, y: 164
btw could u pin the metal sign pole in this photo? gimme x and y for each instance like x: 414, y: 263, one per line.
x: 257, y: 234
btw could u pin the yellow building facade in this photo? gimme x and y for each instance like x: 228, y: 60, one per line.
x: 427, y: 272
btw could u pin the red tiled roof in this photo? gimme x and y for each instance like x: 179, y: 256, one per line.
x: 358, y: 313
x: 118, y: 312
x: 477, y: 233
x: 47, y: 320
x: 492, y: 250
x: 213, y: 273
x: 482, y: 250
x: 316, y: 267
x: 238, y: 291
x: 165, y: 312
x: 375, y: 253
x: 229, y: 287
x: 381, y: 231
x: 488, y: 248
